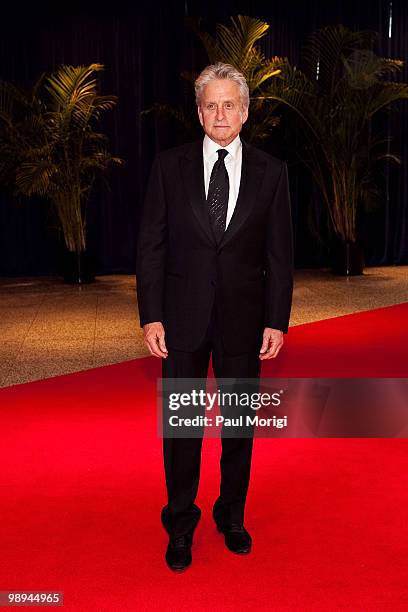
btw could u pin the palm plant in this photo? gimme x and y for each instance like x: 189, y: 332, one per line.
x: 49, y: 146
x: 236, y: 45
x: 336, y: 95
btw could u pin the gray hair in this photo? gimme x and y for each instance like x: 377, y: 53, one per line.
x: 222, y: 71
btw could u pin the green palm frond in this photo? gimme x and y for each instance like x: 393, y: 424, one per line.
x: 237, y: 45
x: 384, y: 94
x: 340, y: 89
x: 52, y: 148
x: 34, y: 177
x: 324, y: 50
x: 74, y: 95
x: 71, y: 84
x: 263, y: 121
x: 237, y: 42
x: 292, y: 88
x: 262, y: 73
x: 362, y: 68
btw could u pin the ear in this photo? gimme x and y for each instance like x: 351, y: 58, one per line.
x: 244, y: 116
x: 200, y: 115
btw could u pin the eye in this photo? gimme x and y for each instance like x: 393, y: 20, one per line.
x: 229, y: 105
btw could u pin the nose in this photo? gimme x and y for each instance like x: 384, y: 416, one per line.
x: 220, y: 113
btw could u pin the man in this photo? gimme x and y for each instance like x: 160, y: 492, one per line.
x: 214, y: 277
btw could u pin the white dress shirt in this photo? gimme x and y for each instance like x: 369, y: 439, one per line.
x: 233, y: 164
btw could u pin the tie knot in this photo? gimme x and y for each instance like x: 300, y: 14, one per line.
x: 222, y: 153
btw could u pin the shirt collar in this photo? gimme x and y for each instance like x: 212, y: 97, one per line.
x: 210, y: 147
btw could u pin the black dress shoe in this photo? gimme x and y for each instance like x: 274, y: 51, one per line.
x: 237, y: 539
x: 178, y: 554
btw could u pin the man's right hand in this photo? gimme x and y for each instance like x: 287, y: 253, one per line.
x: 154, y: 339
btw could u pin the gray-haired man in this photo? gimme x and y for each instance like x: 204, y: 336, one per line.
x: 214, y: 278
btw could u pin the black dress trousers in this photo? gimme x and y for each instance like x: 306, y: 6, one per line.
x: 182, y: 456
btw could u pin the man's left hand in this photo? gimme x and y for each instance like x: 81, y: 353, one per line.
x: 271, y: 344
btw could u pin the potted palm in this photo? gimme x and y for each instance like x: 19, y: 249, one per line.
x: 342, y: 86
x: 55, y: 151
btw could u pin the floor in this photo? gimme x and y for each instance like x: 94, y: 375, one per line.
x: 48, y: 328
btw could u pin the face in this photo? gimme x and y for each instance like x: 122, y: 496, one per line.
x: 220, y: 111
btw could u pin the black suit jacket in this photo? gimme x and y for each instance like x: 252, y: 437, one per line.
x: 180, y: 270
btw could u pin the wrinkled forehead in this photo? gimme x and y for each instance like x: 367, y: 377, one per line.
x: 221, y: 90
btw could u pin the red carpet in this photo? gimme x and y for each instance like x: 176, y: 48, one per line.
x: 82, y: 487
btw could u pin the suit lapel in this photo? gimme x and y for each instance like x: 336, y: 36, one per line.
x: 192, y: 171
x: 252, y: 171
x: 251, y: 177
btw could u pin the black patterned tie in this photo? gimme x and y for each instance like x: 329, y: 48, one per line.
x: 217, y: 198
